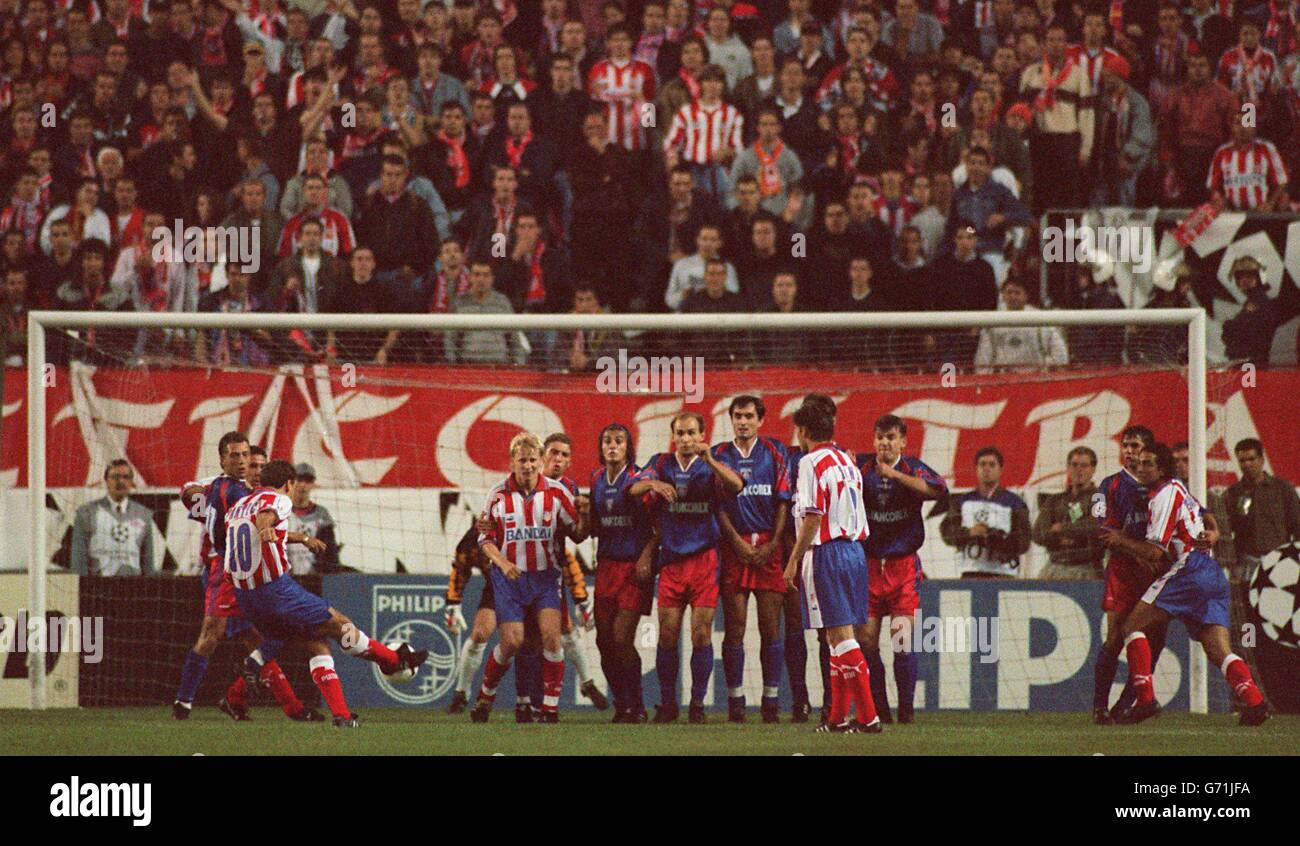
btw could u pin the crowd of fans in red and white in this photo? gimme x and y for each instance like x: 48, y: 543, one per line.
x: 701, y: 156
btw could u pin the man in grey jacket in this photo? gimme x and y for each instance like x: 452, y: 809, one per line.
x: 483, y: 347
x: 1126, y: 136
x: 113, y: 536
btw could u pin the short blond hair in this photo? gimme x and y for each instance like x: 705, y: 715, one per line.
x: 525, y: 441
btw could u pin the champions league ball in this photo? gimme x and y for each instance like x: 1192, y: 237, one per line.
x: 1275, y: 595
x: 405, y: 674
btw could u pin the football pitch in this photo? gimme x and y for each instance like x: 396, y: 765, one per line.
x: 152, y: 731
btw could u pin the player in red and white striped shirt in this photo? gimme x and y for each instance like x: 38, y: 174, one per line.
x: 1193, y: 588
x: 530, y: 515
x: 257, y: 529
x: 706, y: 135
x: 832, y: 523
x: 1247, y: 174
x: 624, y: 85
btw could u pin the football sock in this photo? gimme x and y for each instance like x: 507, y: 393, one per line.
x: 838, y: 709
x: 273, y: 677
x: 1126, y: 696
x: 667, y: 667
x: 701, y: 672
x: 631, y: 671
x: 770, y: 656
x: 552, y: 679
x: 237, y: 693
x: 471, y: 658
x: 856, y: 678
x: 1240, y: 680
x: 323, y: 673
x: 905, y: 664
x: 1139, y: 667
x: 733, y: 667
x: 192, y: 672
x: 1103, y: 677
x: 576, y: 655
x: 528, y: 677
x: 492, y: 674
x: 879, y: 692
x: 796, y: 664
x: 372, y: 650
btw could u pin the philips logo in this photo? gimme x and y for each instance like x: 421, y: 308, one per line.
x: 74, y: 799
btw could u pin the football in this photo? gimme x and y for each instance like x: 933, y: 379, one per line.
x: 1275, y: 595
x: 405, y: 674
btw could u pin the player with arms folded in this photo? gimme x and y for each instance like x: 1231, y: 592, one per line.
x: 257, y: 528
x: 625, y: 545
x: 829, y: 563
x: 752, y: 525
x: 1120, y: 504
x: 895, y: 487
x: 530, y: 516
x: 1191, y: 587
x: 683, y: 491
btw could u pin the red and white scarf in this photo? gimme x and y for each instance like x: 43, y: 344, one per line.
x: 1046, y: 100
x: 769, y: 175
x: 441, y: 300
x: 515, y: 149
x: 536, y: 278
x: 457, y: 160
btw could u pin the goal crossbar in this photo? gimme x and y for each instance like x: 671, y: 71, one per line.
x: 40, y: 321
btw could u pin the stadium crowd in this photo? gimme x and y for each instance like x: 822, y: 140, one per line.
x: 695, y: 156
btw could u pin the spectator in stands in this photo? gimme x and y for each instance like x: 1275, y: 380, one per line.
x: 1125, y: 136
x: 706, y: 135
x: 726, y: 50
x: 113, y: 535
x: 584, y: 347
x: 1097, y: 290
x: 1197, y: 119
x: 1248, y: 174
x: 688, y: 275
x: 84, y: 217
x: 990, y: 208
x: 1248, y: 335
x: 717, y: 297
x: 300, y: 282
x: 316, y: 158
x: 914, y: 35
x: 963, y: 281
x: 482, y: 347
x: 312, y: 520
x: 1263, y: 509
x: 15, y: 302
x: 455, y: 157
x: 1019, y: 348
x: 359, y: 292
x: 989, y: 525
x: 602, y: 178
x: 1062, y: 95
x: 400, y: 230
x: 226, y: 347
x: 759, y: 263
x: 1065, y: 526
x: 776, y: 167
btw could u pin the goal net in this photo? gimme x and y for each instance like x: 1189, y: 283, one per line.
x: 404, y: 421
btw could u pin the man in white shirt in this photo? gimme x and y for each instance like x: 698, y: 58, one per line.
x: 1020, y: 348
x: 688, y: 273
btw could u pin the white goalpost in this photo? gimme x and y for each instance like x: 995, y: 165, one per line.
x: 45, y: 326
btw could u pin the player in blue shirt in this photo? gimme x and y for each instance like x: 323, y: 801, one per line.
x: 894, y: 488
x: 686, y: 488
x: 624, y: 556
x: 1120, y: 504
x: 752, y: 525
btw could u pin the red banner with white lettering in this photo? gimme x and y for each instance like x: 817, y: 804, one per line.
x: 441, y: 427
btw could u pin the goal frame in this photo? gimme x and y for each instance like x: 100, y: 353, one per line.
x: 1194, y: 319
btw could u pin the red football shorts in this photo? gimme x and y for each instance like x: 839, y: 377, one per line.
x: 894, y: 586
x: 1126, y: 583
x: 219, y: 600
x: 617, y: 585
x: 769, y: 575
x: 692, y: 581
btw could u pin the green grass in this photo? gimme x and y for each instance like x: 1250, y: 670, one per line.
x: 152, y: 731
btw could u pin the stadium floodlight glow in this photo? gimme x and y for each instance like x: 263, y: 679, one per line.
x: 41, y: 322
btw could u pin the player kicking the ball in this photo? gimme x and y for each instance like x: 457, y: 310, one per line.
x: 829, y: 563
x: 895, y: 487
x: 1193, y: 589
x: 683, y: 488
x: 257, y: 527
x: 530, y: 516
